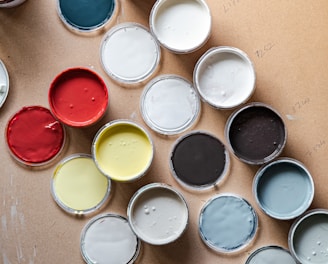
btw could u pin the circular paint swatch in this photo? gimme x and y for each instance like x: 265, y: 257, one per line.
x: 256, y: 133
x: 199, y: 160
x: 78, y: 186
x: 108, y: 237
x: 308, y: 237
x: 284, y: 189
x: 181, y: 26
x: 169, y: 104
x: 122, y: 150
x: 4, y: 83
x: 227, y: 223
x: 34, y: 136
x: 224, y: 77
x: 78, y: 97
x: 86, y: 15
x: 271, y: 255
x: 158, y: 214
x: 10, y: 3
x: 129, y: 53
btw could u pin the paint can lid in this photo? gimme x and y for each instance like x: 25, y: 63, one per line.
x: 34, y: 136
x: 78, y: 97
x: 283, y: 188
x: 234, y: 81
x: 199, y: 161
x: 308, y: 237
x: 270, y: 254
x: 256, y: 133
x: 181, y: 26
x: 227, y: 223
x: 129, y: 53
x: 109, y: 237
x: 86, y: 17
x: 169, y: 104
x: 158, y: 214
x: 4, y: 83
x: 123, y: 150
x: 78, y: 187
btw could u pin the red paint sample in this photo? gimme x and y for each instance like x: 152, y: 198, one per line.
x: 78, y: 97
x: 34, y: 136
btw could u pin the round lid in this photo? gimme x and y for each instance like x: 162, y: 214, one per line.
x: 270, y: 255
x: 34, y: 136
x: 227, y: 223
x: 4, y: 83
x: 87, y: 15
x: 199, y: 160
x: 109, y: 237
x: 169, y: 104
x: 78, y: 97
x: 77, y: 185
x: 129, y: 53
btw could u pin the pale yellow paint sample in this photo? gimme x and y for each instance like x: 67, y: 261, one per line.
x: 79, y: 185
x: 123, y: 151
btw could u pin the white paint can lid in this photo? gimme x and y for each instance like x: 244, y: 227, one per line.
x: 4, y: 83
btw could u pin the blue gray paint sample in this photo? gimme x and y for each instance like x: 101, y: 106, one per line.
x: 227, y: 223
x: 308, y: 237
x: 284, y: 189
x: 86, y: 14
x: 270, y: 255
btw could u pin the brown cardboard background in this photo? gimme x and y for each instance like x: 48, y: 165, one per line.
x: 288, y: 44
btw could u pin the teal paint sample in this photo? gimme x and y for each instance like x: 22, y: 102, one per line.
x: 284, y: 189
x: 86, y: 14
x: 227, y: 223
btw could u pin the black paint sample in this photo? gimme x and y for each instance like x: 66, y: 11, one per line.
x: 255, y: 133
x: 199, y: 159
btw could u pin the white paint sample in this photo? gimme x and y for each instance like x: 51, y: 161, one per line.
x: 129, y: 53
x: 271, y: 255
x: 158, y: 214
x: 181, y: 25
x: 224, y: 77
x: 169, y: 104
x: 308, y: 238
x: 4, y: 83
x: 109, y: 238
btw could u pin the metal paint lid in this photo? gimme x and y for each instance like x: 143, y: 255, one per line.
x: 158, y: 214
x: 170, y: 105
x: 4, y: 83
x: 283, y: 189
x: 189, y: 154
x: 308, y: 237
x: 270, y: 254
x: 78, y: 187
x: 129, y: 53
x: 108, y: 237
x: 227, y: 223
x: 235, y: 78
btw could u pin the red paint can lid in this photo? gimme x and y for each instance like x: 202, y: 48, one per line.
x: 34, y: 136
x: 78, y: 97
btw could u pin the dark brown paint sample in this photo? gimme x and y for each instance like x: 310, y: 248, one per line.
x: 256, y: 133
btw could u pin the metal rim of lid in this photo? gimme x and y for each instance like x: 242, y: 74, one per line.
x: 6, y: 85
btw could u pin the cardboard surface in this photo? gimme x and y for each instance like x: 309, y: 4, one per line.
x: 288, y: 44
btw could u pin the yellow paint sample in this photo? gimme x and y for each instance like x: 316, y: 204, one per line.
x: 78, y: 184
x: 123, y: 151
